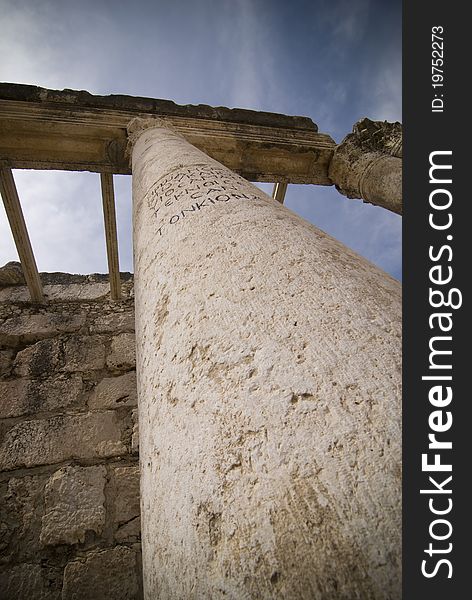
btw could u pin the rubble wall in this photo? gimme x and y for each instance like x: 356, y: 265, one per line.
x: 69, y: 482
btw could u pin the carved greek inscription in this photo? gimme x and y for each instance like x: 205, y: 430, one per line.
x: 186, y: 192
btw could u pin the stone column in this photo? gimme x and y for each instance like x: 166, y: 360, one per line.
x: 367, y: 164
x: 268, y: 359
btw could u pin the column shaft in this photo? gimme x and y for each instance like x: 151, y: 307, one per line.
x: 269, y: 393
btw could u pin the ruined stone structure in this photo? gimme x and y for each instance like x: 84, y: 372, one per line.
x: 367, y: 164
x: 267, y: 363
x: 69, y: 488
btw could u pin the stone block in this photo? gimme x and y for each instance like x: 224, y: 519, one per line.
x: 122, y: 356
x: 68, y: 291
x: 30, y: 582
x: 18, y: 293
x: 84, y: 353
x: 21, y: 509
x: 20, y: 397
x: 129, y: 532
x: 113, y: 392
x: 27, y: 328
x: 125, y: 482
x: 126, y: 513
x: 102, y: 575
x: 77, y: 291
x: 6, y: 362
x: 113, y: 323
x: 60, y: 438
x: 39, y: 360
x: 74, y: 503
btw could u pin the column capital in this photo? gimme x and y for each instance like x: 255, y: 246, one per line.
x: 367, y: 164
x: 138, y: 125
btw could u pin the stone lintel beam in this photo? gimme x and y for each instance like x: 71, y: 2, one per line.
x: 75, y: 130
x: 367, y: 164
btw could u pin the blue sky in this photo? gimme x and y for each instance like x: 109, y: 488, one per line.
x: 335, y: 61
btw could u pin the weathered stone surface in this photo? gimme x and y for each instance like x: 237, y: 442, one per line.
x: 64, y: 437
x: 84, y: 353
x: 269, y: 393
x: 73, y: 291
x: 20, y: 397
x: 30, y: 582
x: 14, y: 294
x: 57, y: 512
x: 70, y: 291
x: 28, y: 328
x: 125, y: 491
x: 39, y: 360
x: 135, y: 433
x: 21, y: 509
x: 380, y: 136
x: 103, y: 575
x: 113, y: 392
x: 125, y: 481
x: 129, y: 532
x: 261, y: 146
x: 116, y: 322
x: 6, y: 362
x: 74, y: 504
x: 155, y: 107
x: 367, y: 164
x: 11, y: 274
x: 123, y: 352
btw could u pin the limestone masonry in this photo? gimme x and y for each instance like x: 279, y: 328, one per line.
x: 69, y: 487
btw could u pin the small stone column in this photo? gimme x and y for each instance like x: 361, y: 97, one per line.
x: 367, y: 164
x: 268, y: 360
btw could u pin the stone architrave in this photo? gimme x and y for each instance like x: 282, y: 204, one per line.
x: 368, y: 164
x: 268, y: 365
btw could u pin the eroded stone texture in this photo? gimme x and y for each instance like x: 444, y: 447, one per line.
x: 367, y: 164
x: 113, y: 392
x: 30, y: 582
x: 11, y: 274
x: 84, y: 353
x: 104, y: 575
x: 268, y: 359
x: 39, y: 360
x: 74, y: 353
x: 21, y: 509
x: 59, y: 438
x: 123, y: 352
x: 28, y: 328
x: 129, y: 532
x: 125, y: 490
x: 6, y: 362
x: 29, y: 396
x: 113, y: 323
x: 74, y: 504
x: 66, y: 424
x: 67, y: 291
x: 135, y: 432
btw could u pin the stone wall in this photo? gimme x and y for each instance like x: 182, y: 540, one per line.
x: 69, y: 487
